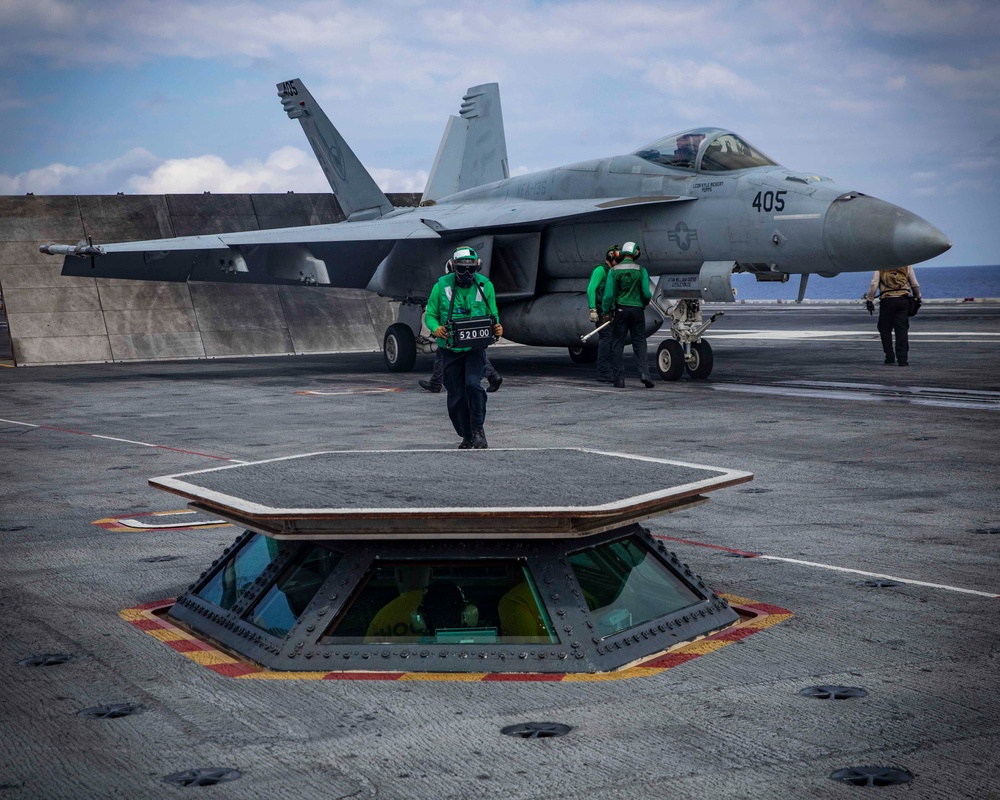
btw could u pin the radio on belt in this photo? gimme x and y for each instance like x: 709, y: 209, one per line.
x: 472, y: 332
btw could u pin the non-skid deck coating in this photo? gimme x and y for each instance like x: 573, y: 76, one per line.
x: 848, y: 482
x: 429, y: 490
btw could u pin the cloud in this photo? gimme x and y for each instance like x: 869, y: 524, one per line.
x: 140, y: 172
x: 978, y: 163
x: 45, y: 180
x: 699, y: 79
x: 852, y: 105
x: 105, y: 177
x: 975, y: 185
x: 397, y: 180
x: 977, y: 83
x: 955, y: 18
x: 284, y: 170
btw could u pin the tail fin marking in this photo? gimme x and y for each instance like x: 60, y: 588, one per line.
x: 356, y: 190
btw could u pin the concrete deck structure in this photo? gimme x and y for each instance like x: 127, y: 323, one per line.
x: 55, y: 319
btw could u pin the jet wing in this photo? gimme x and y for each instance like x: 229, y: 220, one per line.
x: 330, y: 254
x: 493, y: 214
x: 392, y: 229
x: 312, y: 254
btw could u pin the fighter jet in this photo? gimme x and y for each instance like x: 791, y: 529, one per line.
x: 701, y: 204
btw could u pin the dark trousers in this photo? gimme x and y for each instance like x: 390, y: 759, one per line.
x: 894, y: 315
x: 604, y: 353
x: 629, y: 321
x: 436, y: 381
x: 462, y: 377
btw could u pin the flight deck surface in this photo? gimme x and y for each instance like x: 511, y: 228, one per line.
x: 447, y: 493
x: 873, y: 518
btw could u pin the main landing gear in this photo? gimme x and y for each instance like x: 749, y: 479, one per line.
x: 583, y: 355
x: 686, y: 350
x: 400, y: 345
x: 399, y: 348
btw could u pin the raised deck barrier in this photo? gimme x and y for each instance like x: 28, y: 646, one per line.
x: 54, y: 319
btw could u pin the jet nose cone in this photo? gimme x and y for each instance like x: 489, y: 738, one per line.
x: 864, y: 231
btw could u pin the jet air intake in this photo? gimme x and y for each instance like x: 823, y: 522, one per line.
x: 861, y: 231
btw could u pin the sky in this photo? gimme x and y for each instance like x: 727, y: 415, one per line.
x: 898, y: 99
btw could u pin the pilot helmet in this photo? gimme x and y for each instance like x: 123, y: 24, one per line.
x: 630, y: 250
x: 465, y: 263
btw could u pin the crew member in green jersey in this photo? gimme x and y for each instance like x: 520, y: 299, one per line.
x: 595, y: 296
x: 626, y: 295
x: 462, y: 294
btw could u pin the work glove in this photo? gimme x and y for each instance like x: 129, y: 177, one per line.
x: 870, y: 306
x: 498, y: 330
x: 606, y: 318
x: 441, y: 332
x: 593, y: 315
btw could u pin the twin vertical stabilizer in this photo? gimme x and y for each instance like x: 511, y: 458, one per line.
x: 356, y: 191
x: 473, y: 149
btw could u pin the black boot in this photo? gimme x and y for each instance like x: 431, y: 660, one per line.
x: 479, y: 439
x: 430, y: 387
x: 466, y: 443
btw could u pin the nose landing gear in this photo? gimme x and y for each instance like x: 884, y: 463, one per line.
x: 686, y: 350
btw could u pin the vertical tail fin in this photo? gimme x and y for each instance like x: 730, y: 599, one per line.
x: 356, y: 190
x: 473, y: 149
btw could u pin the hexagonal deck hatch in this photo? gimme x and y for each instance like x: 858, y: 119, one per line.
x: 450, y: 561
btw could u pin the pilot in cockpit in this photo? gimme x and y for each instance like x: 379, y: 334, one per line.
x: 687, y: 149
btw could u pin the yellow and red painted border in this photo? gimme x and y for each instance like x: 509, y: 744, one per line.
x: 151, y: 618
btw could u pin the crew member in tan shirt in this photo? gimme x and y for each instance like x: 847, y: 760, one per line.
x: 894, y: 287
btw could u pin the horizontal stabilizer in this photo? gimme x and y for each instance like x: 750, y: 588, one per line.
x: 356, y: 190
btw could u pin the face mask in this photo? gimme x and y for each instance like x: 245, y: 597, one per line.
x: 463, y: 275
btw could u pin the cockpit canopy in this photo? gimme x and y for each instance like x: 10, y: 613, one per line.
x: 705, y: 149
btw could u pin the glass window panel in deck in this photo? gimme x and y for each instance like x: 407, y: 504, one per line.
x: 625, y: 585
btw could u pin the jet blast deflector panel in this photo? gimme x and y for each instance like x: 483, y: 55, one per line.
x: 497, y: 561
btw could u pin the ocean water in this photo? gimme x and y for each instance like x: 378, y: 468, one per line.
x: 935, y: 282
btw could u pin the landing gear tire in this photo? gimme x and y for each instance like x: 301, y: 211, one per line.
x: 583, y: 355
x: 702, y: 360
x: 399, y: 348
x: 670, y: 360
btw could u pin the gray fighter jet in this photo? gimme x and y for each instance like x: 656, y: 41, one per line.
x: 702, y: 205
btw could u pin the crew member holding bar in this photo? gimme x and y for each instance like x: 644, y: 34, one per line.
x: 462, y: 313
